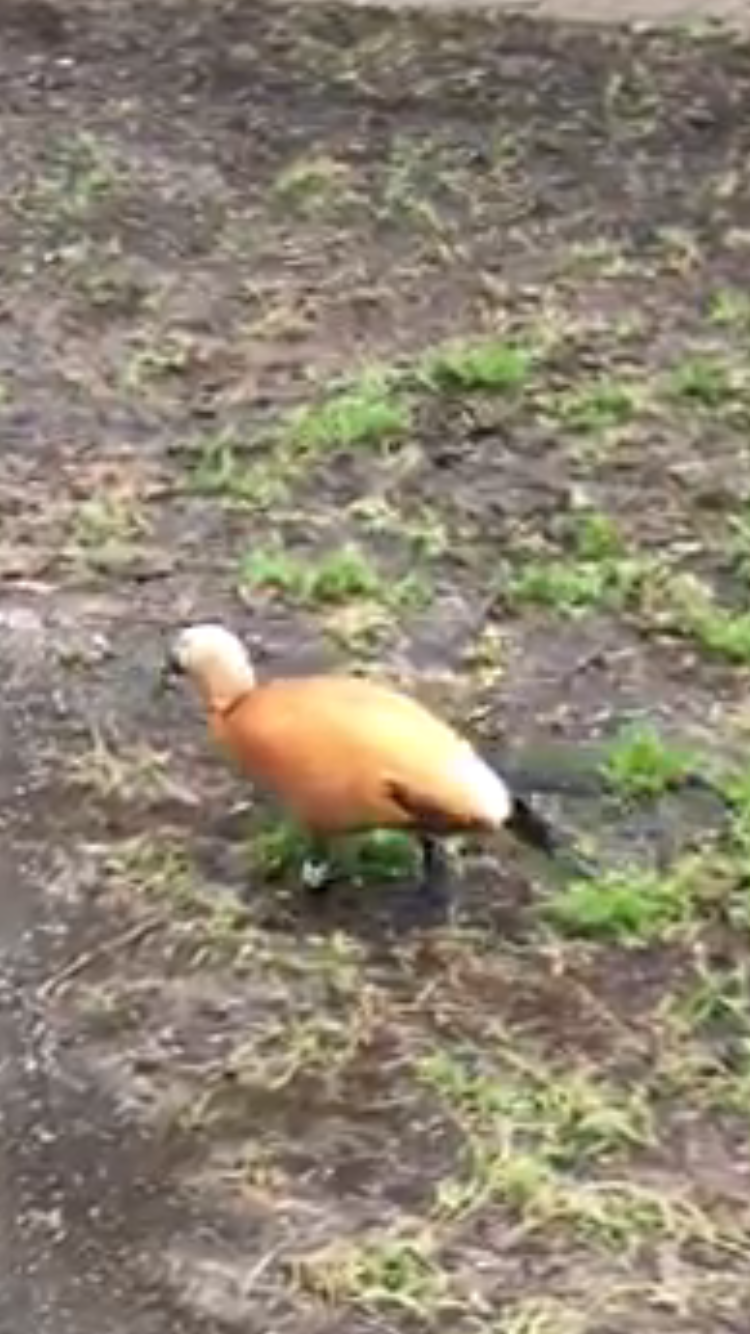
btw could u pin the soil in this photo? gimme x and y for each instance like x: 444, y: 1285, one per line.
x: 210, y: 211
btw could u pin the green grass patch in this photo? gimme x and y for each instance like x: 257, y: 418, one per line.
x: 367, y: 414
x: 380, y: 1271
x: 717, y: 1000
x: 424, y: 529
x: 705, y: 1048
x: 107, y: 533
x: 220, y: 471
x: 703, y: 381
x: 570, y: 1115
x: 598, y: 572
x: 472, y: 367
x: 280, y: 849
x: 336, y: 579
x: 633, y: 906
x: 729, y: 308
x: 593, y: 409
x: 416, y: 175
x: 381, y: 855
x: 568, y: 587
x: 108, y: 518
x: 641, y: 763
x: 595, y: 536
x: 533, y: 1134
x: 574, y: 587
x: 342, y: 576
x: 339, y: 576
x: 738, y: 543
x: 690, y: 609
x: 155, y: 363
x: 314, y: 187
x: 542, y: 1315
x: 736, y: 786
x: 723, y: 633
x: 81, y: 175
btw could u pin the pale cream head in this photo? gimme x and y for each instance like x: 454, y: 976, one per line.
x: 216, y: 661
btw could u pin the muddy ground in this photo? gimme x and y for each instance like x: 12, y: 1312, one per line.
x: 328, y: 324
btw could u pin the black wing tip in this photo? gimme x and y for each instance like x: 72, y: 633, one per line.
x: 532, y: 829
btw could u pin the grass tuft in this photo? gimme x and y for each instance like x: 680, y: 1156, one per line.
x: 592, y: 409
x: 366, y: 415
x: 221, y: 472
x: 642, y: 763
x: 336, y: 577
x: 595, y: 536
x: 394, y: 1271
x: 691, y: 610
x: 314, y: 187
x: 533, y: 1134
x: 703, y: 381
x: 730, y: 308
x: 633, y: 907
x: 280, y: 849
x: 571, y: 1115
x: 490, y: 367
x: 575, y: 587
x: 81, y: 176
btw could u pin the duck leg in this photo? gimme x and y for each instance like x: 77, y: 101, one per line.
x: 427, y: 904
x: 435, y: 867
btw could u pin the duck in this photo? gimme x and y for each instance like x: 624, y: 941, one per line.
x: 345, y: 754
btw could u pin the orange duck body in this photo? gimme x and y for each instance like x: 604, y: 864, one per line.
x: 345, y: 754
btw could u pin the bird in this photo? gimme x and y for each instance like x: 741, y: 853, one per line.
x: 346, y: 754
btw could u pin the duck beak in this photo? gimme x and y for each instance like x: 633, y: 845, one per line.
x: 168, y: 675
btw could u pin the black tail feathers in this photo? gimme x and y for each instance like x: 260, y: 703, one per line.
x: 531, y: 828
x: 536, y: 832
x: 577, y: 773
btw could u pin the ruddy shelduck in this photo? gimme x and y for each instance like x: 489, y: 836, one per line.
x: 345, y: 755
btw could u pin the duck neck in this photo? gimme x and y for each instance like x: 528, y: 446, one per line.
x: 227, y: 688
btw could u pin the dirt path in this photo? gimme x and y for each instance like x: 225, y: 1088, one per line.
x: 83, y: 1191
x: 327, y: 321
